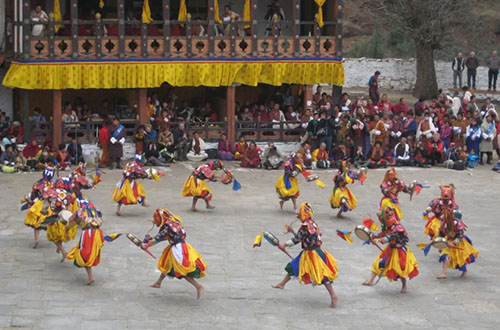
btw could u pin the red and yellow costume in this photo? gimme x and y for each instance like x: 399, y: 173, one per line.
x: 34, y: 200
x: 341, y: 196
x: 453, y: 229
x: 128, y: 190
x: 57, y: 200
x: 396, y: 260
x: 391, y: 186
x: 314, y: 265
x: 87, y: 252
x: 179, y: 259
x: 437, y: 206
x: 287, y: 186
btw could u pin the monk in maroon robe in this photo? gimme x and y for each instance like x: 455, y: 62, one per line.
x: 251, y: 158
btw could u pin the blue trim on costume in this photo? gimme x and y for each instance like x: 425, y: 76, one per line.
x: 294, y: 264
x: 286, y: 179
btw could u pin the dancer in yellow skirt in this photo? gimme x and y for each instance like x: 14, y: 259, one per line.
x: 341, y: 197
x: 128, y: 190
x: 179, y: 259
x: 33, y: 202
x: 396, y: 261
x: 314, y: 265
x: 87, y: 252
x: 287, y: 186
x: 57, y: 201
x: 196, y: 187
x: 437, y: 207
x: 460, y: 251
x: 391, y: 186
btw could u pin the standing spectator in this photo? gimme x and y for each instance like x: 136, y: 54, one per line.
x: 180, y: 140
x: 312, y: 130
x: 401, y: 108
x: 117, y: 139
x: 251, y: 158
x: 104, y: 142
x: 224, y: 149
x: 472, y: 64
x: 473, y: 137
x: 488, y: 133
x: 458, y: 67
x: 373, y: 88
x: 493, y: 64
x: 456, y: 103
x: 446, y: 133
x: 326, y: 130
x: 75, y: 152
x: 38, y: 18
x: 139, y: 140
x: 38, y: 118
x: 317, y: 95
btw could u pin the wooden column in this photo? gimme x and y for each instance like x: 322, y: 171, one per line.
x: 57, y: 117
x: 143, y: 106
x: 230, y: 112
x: 308, y: 95
x: 26, y: 116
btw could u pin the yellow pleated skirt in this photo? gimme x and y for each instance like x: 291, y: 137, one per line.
x: 432, y: 226
x: 181, y: 260
x: 401, y: 263
x: 284, y: 192
x: 87, y: 252
x: 34, y: 217
x: 129, y: 193
x: 56, y: 232
x: 387, y: 202
x: 194, y: 187
x: 314, y: 267
x: 338, y: 194
x: 461, y: 257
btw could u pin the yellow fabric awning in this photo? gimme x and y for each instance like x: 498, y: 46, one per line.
x: 111, y: 74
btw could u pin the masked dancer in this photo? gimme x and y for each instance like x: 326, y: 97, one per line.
x: 314, y: 265
x: 179, y: 259
x: 436, y: 208
x: 341, y: 197
x: 391, y: 187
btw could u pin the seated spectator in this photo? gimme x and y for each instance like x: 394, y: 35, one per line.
x: 446, y: 133
x: 181, y: 142
x: 150, y: 134
x: 240, y: 148
x: 251, y: 158
x: 139, y: 140
x: 472, y: 159
x: 62, y: 157
x: 426, y: 127
x: 45, y: 158
x: 435, y: 150
x: 402, y: 153
x: 17, y: 132
x: 152, y: 154
x: 306, y: 151
x: 337, y: 154
x: 224, y: 149
x: 419, y: 158
x: 395, y: 131
x: 454, y: 157
x: 360, y: 159
x: 377, y: 157
x: 30, y: 153
x: 197, y: 149
x: 409, y: 126
x: 320, y: 157
x: 384, y: 102
x: 75, y: 152
x: 401, y: 108
x: 166, y: 140
x: 272, y: 158
x: 8, y: 159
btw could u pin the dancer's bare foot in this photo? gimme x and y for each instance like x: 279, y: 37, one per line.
x: 339, y: 215
x: 199, y: 291
x: 210, y: 207
x: 278, y: 286
x: 464, y: 273
x: 118, y: 213
x: 194, y: 209
x: 156, y: 285
x: 367, y: 283
x: 35, y: 245
x: 90, y: 282
x: 334, y: 302
x: 281, y: 205
x: 403, y: 290
x: 63, y: 257
x: 145, y: 204
x: 441, y: 277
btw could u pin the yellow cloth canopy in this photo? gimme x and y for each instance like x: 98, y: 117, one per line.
x: 182, y: 11
x: 246, y: 14
x: 50, y: 75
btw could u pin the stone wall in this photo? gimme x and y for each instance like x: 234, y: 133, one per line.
x: 400, y: 75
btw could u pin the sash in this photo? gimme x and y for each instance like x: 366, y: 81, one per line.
x: 490, y: 129
x: 118, y: 131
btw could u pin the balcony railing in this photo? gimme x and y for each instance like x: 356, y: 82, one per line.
x: 118, y: 38
x: 268, y: 131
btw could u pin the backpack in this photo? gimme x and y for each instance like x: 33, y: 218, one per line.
x: 459, y: 165
x: 322, y: 164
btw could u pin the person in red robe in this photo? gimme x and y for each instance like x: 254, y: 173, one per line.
x: 251, y: 158
x: 240, y: 148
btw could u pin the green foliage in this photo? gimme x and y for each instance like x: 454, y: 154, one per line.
x: 395, y: 43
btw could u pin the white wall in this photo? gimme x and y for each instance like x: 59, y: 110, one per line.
x: 400, y: 75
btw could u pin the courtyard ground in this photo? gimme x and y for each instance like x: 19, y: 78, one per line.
x: 36, y: 291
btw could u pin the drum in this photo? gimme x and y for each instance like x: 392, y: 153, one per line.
x: 440, y: 243
x: 64, y: 216
x: 363, y: 233
x: 271, y: 238
x: 134, y: 239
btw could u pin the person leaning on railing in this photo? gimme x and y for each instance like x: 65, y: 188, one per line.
x: 38, y: 18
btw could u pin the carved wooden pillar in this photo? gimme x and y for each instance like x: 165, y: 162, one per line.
x: 57, y: 115
x: 230, y: 112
